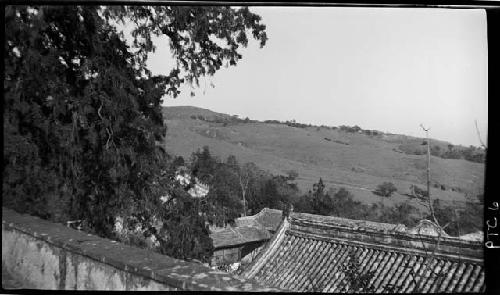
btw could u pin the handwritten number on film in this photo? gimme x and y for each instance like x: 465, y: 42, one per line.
x: 491, y: 224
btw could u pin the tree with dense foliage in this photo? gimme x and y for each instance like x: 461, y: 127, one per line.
x: 344, y: 205
x: 224, y: 197
x: 237, y: 189
x: 82, y: 113
x: 254, y: 199
x: 317, y: 201
x: 203, y: 165
x: 178, y: 162
x: 222, y: 204
x: 183, y: 233
x: 321, y: 201
x: 403, y: 213
x: 271, y: 193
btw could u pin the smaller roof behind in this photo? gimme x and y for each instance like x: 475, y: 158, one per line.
x: 234, y: 236
x: 268, y: 219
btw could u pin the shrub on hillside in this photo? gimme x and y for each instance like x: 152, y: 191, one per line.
x: 354, y: 129
x: 459, y: 221
x: 272, y: 121
x: 417, y: 192
x: 385, y: 189
x: 401, y: 213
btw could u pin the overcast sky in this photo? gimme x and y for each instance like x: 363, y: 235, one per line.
x: 388, y: 69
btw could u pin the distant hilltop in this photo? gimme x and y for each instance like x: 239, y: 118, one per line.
x: 347, y: 156
x: 412, y: 145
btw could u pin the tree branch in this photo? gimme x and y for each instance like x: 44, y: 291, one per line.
x: 479, y: 136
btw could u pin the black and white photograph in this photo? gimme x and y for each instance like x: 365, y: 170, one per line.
x: 175, y: 146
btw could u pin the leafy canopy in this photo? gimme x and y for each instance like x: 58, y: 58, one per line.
x: 82, y: 113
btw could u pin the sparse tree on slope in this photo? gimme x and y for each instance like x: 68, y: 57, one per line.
x: 385, y: 189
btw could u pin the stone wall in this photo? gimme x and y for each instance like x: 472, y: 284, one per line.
x: 46, y: 255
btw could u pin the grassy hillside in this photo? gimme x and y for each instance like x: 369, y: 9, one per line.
x: 356, y: 161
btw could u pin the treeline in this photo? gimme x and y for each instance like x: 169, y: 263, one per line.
x: 344, y: 128
x: 230, y: 180
x: 225, y: 120
x: 340, y: 203
x: 234, y: 119
x: 471, y: 153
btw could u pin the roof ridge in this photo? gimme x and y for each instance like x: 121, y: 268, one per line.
x: 338, y: 218
x: 412, y: 233
x: 388, y: 247
x: 261, y: 212
x: 374, y: 225
x: 238, y: 233
x: 268, y: 250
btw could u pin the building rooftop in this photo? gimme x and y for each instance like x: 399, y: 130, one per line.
x: 308, y: 253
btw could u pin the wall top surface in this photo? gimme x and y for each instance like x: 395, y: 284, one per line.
x: 164, y: 269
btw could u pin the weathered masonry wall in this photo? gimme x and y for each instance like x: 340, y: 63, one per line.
x: 46, y: 255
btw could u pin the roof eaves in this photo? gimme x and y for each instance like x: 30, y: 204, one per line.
x: 389, y: 248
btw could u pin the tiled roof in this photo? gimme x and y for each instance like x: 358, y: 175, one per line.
x: 309, y: 252
x: 267, y: 218
x: 234, y: 236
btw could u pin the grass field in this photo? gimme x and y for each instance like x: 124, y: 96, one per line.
x: 356, y: 161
